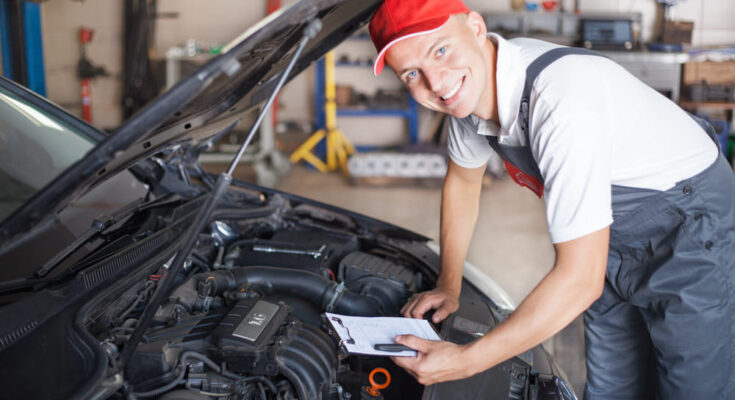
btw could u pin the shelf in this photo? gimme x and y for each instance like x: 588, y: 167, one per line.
x: 364, y: 36
x: 409, y: 112
x: 381, y: 112
x: 686, y: 103
x: 554, y: 26
x: 353, y: 65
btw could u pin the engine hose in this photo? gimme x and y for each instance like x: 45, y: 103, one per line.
x: 293, y: 282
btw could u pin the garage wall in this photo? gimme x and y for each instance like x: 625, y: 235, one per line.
x: 218, y: 21
x: 223, y: 21
x: 210, y: 22
x: 713, y: 19
x: 60, y: 23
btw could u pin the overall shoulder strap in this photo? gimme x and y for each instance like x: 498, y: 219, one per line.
x: 533, y: 71
x: 519, y: 160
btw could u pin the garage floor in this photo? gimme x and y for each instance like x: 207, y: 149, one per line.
x: 510, y: 244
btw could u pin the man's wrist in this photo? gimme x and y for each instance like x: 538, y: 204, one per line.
x: 451, y: 288
x: 476, y: 361
x: 482, y: 354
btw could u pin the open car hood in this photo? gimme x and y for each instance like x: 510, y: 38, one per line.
x: 202, y: 105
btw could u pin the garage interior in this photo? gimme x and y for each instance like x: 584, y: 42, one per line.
x: 104, y: 60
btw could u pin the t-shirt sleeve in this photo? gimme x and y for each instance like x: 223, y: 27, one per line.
x: 573, y: 148
x: 465, y: 146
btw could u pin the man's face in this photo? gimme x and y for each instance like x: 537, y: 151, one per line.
x: 446, y: 70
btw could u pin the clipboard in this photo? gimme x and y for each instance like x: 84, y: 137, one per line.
x: 359, y: 335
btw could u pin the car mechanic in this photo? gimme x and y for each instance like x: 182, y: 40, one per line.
x: 640, y: 205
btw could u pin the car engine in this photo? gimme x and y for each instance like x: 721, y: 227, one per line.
x: 246, y: 318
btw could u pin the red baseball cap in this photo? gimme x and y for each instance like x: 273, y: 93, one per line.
x: 396, y: 20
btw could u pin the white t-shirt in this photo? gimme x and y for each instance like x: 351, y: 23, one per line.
x: 593, y: 125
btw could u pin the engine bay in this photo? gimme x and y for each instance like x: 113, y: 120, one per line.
x: 245, y: 319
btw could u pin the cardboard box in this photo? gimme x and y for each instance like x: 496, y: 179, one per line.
x: 711, y: 72
x: 677, y: 32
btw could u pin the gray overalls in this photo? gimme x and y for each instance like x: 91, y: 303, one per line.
x: 664, y: 325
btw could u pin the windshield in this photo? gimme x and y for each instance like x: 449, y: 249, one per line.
x: 35, y: 147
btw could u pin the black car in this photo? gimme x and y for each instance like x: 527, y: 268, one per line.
x: 127, y: 271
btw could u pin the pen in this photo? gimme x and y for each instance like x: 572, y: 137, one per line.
x: 393, y: 347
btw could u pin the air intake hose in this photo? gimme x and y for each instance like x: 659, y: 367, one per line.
x: 328, y: 295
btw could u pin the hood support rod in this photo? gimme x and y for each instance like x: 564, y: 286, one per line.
x: 202, y: 218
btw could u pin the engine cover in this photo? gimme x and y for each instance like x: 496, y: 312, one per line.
x: 250, y: 323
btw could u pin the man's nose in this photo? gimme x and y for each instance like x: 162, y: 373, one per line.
x: 434, y: 78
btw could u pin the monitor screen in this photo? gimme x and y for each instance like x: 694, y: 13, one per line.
x: 607, y: 31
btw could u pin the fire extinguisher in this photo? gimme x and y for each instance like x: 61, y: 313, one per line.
x: 86, y: 71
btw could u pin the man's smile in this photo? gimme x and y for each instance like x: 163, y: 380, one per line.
x: 453, y: 94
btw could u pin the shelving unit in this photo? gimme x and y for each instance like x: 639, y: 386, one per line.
x: 554, y: 26
x: 408, y: 112
x: 268, y: 162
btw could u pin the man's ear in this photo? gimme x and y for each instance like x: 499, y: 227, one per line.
x: 477, y: 24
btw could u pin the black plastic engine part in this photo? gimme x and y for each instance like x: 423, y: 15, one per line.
x: 328, y: 295
x: 257, y: 338
x: 184, y: 395
x: 309, y: 358
x: 160, y: 351
x: 368, y: 275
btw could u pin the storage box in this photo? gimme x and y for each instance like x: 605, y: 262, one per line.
x: 677, y: 32
x: 711, y: 72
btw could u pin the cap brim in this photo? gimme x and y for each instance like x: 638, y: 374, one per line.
x: 423, y: 28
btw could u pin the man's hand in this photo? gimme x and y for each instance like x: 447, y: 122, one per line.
x: 444, y: 301
x: 436, y: 361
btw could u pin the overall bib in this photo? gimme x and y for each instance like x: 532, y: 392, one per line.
x: 664, y: 325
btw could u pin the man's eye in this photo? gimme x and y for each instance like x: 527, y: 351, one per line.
x: 441, y: 50
x: 411, y: 75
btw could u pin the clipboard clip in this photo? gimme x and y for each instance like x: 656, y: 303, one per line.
x: 350, y: 340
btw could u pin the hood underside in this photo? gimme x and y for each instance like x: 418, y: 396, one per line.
x: 200, y: 106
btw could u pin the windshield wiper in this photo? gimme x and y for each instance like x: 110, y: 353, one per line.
x: 202, y: 218
x: 99, y: 225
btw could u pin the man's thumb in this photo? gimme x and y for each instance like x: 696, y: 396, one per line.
x: 441, y: 313
x: 413, y: 342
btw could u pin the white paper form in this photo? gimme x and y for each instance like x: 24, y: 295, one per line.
x: 360, y: 334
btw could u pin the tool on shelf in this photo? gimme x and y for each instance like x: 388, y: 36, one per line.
x: 338, y: 146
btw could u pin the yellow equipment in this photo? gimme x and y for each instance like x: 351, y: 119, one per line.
x: 338, y: 146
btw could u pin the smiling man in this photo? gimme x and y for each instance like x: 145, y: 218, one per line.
x: 640, y: 205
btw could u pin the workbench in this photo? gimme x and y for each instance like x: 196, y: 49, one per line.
x: 661, y: 71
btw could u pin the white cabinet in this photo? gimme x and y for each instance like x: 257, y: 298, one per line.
x: 661, y: 71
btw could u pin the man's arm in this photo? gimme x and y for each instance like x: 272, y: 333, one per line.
x: 575, y: 282
x: 460, y: 202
